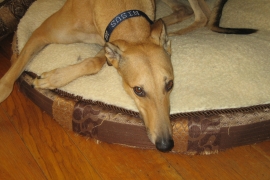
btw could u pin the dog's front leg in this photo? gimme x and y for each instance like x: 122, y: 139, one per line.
x: 62, y: 76
x: 32, y: 47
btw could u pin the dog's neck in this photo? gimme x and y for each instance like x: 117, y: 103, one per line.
x: 121, y: 18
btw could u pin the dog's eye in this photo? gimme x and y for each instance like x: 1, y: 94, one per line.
x: 169, y: 85
x: 139, y: 91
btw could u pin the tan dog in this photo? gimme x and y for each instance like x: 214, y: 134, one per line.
x: 203, y: 17
x: 138, y: 50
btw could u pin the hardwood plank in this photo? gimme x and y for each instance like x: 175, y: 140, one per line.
x: 49, y: 144
x: 238, y: 163
x: 246, y: 162
x: 16, y: 160
x: 112, y: 160
x: 263, y: 148
x: 147, y: 163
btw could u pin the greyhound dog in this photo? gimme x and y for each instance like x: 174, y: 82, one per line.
x: 133, y: 44
x: 138, y: 48
x: 203, y: 17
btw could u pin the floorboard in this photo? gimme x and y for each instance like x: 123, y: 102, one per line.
x: 14, y: 155
x: 49, y: 144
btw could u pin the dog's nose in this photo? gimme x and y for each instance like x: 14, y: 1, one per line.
x: 164, y: 145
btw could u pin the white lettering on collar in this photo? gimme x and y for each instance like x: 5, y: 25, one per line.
x: 118, y: 19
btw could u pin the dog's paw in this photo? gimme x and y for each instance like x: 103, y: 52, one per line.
x: 51, y: 80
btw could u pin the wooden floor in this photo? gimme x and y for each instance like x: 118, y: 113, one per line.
x: 33, y: 146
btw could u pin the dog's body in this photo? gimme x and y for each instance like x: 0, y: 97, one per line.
x: 203, y: 17
x: 138, y: 50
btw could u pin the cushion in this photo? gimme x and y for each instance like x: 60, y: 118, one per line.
x: 221, y: 92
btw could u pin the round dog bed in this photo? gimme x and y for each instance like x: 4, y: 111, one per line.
x: 221, y: 97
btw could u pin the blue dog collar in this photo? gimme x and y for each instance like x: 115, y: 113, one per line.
x: 121, y: 17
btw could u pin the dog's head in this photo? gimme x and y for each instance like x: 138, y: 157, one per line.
x: 147, y: 75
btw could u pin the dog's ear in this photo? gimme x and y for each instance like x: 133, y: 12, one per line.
x: 159, y: 34
x: 113, y: 54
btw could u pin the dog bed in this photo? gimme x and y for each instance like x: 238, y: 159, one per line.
x: 221, y: 97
